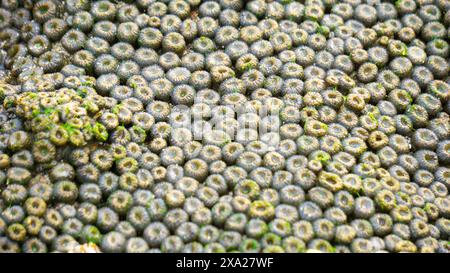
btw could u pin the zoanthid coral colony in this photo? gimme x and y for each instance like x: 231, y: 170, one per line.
x: 224, y: 126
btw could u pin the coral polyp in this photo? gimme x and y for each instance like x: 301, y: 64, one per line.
x: 224, y: 126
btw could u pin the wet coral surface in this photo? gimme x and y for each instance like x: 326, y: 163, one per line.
x: 224, y: 126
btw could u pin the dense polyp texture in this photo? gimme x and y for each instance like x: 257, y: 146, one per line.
x: 224, y: 126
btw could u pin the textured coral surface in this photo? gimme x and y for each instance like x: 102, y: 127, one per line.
x: 224, y: 126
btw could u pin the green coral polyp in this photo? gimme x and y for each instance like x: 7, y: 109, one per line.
x: 261, y: 209
x: 355, y: 158
x: 100, y: 132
